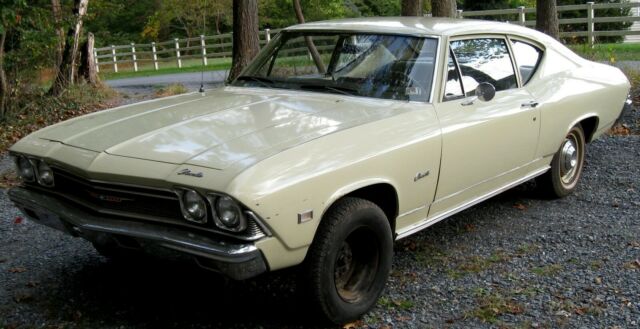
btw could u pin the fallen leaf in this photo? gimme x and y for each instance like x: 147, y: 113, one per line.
x: 17, y: 270
x: 520, y: 206
x: 22, y: 297
x: 598, y: 280
x: 403, y: 318
x: 18, y: 220
x: 353, y: 325
x: 32, y: 284
x: 580, y: 310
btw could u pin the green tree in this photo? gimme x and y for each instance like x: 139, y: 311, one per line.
x: 119, y: 21
x: 373, y: 7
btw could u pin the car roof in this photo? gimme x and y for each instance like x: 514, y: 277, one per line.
x: 416, y: 26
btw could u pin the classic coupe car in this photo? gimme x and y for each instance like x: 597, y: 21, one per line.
x: 339, y: 138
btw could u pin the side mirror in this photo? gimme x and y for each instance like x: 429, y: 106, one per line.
x: 485, y: 91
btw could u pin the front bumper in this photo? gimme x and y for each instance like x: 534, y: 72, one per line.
x: 236, y: 260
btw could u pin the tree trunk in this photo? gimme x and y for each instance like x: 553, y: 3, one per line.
x: 68, y: 71
x: 4, y: 86
x: 411, y: 8
x: 547, y: 17
x: 88, y: 66
x: 443, y: 8
x: 245, y: 35
x: 312, y: 47
x: 57, y: 19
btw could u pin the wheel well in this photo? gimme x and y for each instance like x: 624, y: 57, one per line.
x: 589, y: 126
x: 384, y: 196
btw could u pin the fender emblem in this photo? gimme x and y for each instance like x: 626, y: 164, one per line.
x: 188, y: 172
x: 420, y: 176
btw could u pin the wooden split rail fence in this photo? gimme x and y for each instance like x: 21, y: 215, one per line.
x: 590, y: 20
x: 176, y: 50
x: 219, y: 46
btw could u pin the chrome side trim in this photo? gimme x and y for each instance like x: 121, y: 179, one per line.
x: 473, y: 202
x: 407, y: 213
x: 486, y: 180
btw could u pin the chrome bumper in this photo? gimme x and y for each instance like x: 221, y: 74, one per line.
x: 238, y: 261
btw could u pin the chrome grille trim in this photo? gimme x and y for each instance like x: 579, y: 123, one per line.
x: 255, y: 230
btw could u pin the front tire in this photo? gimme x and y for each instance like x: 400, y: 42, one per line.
x: 566, y: 166
x: 349, y: 260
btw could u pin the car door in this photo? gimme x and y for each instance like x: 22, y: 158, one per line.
x: 486, y: 144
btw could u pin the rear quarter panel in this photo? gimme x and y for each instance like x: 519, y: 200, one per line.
x: 570, y: 90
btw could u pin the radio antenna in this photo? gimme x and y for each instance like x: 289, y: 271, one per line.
x: 203, y: 52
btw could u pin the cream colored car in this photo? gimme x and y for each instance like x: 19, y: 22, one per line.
x: 338, y: 139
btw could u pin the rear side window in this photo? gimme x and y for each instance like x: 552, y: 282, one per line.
x: 484, y: 60
x: 527, y: 58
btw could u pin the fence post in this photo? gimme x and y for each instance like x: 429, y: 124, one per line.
x: 590, y: 25
x: 95, y: 56
x: 155, y: 56
x: 267, y: 35
x: 178, y: 53
x: 114, y: 58
x: 521, y: 17
x: 134, y: 57
x: 204, y: 50
x: 459, y: 13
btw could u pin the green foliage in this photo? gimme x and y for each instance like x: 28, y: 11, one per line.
x: 118, y: 21
x: 374, y: 7
x: 279, y: 13
x: 598, y: 26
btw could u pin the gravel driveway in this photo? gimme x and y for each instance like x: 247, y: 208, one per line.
x: 513, y: 261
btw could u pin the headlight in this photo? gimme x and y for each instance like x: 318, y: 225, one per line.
x: 194, y: 208
x: 229, y: 215
x: 45, y: 174
x: 25, y: 169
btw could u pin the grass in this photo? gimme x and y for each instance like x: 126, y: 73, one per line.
x: 609, y: 52
x: 491, y: 305
x: 146, y: 69
x: 548, y: 270
x: 170, y: 90
x: 399, y: 304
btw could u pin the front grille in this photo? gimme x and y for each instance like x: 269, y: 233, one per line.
x: 118, y: 199
x: 139, y: 203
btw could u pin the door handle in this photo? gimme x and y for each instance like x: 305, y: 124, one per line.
x: 531, y: 104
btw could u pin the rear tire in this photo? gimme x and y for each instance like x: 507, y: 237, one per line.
x: 349, y: 260
x: 566, y: 166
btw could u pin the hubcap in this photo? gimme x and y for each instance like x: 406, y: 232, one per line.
x: 570, y: 159
x: 569, y: 156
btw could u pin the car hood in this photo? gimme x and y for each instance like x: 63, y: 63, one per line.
x: 219, y: 128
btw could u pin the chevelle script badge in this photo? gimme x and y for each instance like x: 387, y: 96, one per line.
x: 188, y: 172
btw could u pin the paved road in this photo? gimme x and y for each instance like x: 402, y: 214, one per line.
x: 144, y: 88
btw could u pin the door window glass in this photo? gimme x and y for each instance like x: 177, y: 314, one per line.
x: 484, y: 60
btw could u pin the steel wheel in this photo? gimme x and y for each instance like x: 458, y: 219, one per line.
x: 355, y: 266
x: 566, y: 166
x: 349, y: 260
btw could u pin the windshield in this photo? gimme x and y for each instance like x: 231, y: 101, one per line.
x: 357, y: 64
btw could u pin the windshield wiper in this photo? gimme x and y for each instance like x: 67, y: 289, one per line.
x: 336, y: 89
x: 265, y: 82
